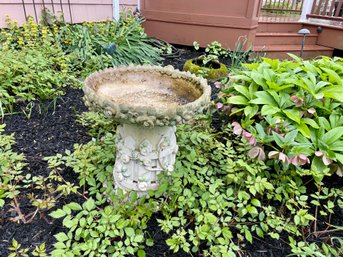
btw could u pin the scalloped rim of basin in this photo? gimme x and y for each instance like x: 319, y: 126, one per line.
x: 146, y: 115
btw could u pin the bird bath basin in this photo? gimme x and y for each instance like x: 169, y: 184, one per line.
x: 147, y: 101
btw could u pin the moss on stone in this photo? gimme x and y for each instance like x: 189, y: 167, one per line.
x: 212, y: 71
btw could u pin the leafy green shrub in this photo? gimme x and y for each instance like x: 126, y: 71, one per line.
x: 32, y: 74
x: 92, y: 45
x: 241, y: 53
x: 44, y: 193
x: 97, y: 228
x: 11, y: 165
x: 29, y: 35
x: 216, y: 200
x: 292, y: 110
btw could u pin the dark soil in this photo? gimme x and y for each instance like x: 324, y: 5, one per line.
x: 50, y: 131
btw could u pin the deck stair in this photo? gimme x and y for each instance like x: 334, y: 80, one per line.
x: 277, y: 38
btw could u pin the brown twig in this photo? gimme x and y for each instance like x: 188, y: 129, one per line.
x: 16, y: 207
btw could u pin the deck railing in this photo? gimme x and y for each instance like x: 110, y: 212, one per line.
x: 327, y: 9
x: 282, y: 6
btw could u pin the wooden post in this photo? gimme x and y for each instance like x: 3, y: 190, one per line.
x: 307, y: 7
x: 115, y: 6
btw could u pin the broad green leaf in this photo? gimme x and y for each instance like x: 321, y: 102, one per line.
x: 304, y: 129
x: 333, y: 135
x: 248, y: 235
x: 334, y: 92
x: 320, y: 85
x: 260, y: 129
x: 309, y: 67
x: 258, y: 79
x: 237, y: 99
x: 210, y: 218
x: 74, y: 206
x: 252, y: 210
x: 337, y: 146
x: 250, y: 111
x: 291, y: 136
x: 295, y: 58
x: 129, y: 231
x: 138, y: 238
x: 275, y: 96
x: 57, y: 214
x: 265, y: 98
x: 317, y: 165
x: 243, y: 90
x: 269, y: 110
x: 89, y: 204
x: 256, y: 202
x: 339, y: 157
x: 292, y: 114
x: 149, y: 242
x: 324, y: 123
x: 61, y: 237
x: 279, y: 140
x: 141, y: 253
x: 310, y: 122
x: 259, y: 232
x: 336, y: 120
x: 333, y: 76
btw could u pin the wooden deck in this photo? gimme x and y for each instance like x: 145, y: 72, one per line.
x: 277, y: 35
x: 271, y: 17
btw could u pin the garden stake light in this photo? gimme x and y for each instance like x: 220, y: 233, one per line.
x: 303, y: 32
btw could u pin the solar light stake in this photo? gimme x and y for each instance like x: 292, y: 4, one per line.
x: 303, y: 32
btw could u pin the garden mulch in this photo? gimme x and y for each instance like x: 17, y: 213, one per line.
x: 52, y: 130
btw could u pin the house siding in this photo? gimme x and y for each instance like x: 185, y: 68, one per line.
x: 77, y: 12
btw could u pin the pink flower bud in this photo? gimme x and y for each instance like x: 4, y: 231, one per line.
x: 249, y: 137
x: 326, y: 160
x: 219, y: 105
x: 257, y: 152
x: 298, y: 101
x: 278, y: 120
x: 283, y: 157
x: 300, y: 159
x: 311, y: 111
x: 273, y: 155
x: 318, y: 153
x: 237, y: 129
x: 278, y: 156
x: 303, y: 159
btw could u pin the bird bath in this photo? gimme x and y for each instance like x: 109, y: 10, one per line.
x: 147, y: 101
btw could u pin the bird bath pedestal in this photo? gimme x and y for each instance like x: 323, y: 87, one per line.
x: 148, y: 102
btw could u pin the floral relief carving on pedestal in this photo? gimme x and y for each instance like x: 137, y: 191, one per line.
x: 139, y: 163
